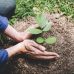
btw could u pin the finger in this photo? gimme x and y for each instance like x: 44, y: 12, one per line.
x: 39, y: 53
x: 34, y: 56
x: 35, y: 50
x: 51, y: 54
x: 42, y: 48
x: 29, y: 49
x: 44, y: 57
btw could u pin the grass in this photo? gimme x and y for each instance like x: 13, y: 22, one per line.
x: 24, y: 8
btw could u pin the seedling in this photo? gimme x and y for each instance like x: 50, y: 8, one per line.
x: 44, y: 26
x: 50, y: 40
x: 35, y: 31
x: 40, y: 40
x: 43, y: 22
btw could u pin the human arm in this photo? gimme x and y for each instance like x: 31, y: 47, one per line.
x: 7, y: 53
x: 11, y: 32
x: 35, y: 50
x: 18, y: 36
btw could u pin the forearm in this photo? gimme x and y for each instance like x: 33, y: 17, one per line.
x: 12, y: 33
x: 5, y: 54
x: 14, y: 49
x: 15, y: 35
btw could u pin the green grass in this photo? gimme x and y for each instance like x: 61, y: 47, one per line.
x: 24, y: 8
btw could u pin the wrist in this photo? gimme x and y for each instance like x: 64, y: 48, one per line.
x: 24, y: 35
x: 15, y: 49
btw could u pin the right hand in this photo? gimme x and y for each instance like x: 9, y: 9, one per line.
x: 37, y: 51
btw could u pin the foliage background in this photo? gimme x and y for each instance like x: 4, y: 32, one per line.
x: 25, y: 7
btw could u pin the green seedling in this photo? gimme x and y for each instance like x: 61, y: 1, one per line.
x: 44, y: 26
x: 40, y: 40
x: 43, y: 22
x: 35, y: 31
x: 51, y: 40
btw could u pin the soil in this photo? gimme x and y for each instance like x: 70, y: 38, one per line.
x: 63, y: 30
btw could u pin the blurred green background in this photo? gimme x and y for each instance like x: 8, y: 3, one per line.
x: 25, y: 8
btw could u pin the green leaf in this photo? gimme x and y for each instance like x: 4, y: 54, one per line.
x: 40, y: 40
x: 35, y: 31
x: 41, y: 20
x: 50, y: 40
x: 48, y: 26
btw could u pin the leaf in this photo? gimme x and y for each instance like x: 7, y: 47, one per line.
x: 48, y: 26
x: 35, y: 31
x: 50, y: 40
x: 40, y: 40
x: 41, y: 20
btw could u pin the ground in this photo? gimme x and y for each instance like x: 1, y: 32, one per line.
x: 63, y: 30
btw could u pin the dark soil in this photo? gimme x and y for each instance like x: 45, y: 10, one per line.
x: 63, y: 30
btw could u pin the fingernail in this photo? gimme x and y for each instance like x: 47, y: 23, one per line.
x: 58, y: 56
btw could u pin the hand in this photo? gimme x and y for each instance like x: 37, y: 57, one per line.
x: 26, y: 46
x: 31, y: 46
x: 37, y: 51
x: 26, y: 34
